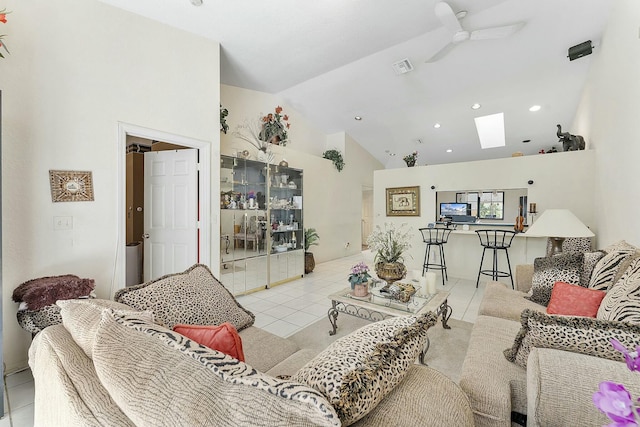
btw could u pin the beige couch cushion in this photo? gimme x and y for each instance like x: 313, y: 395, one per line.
x: 193, y: 297
x: 494, y: 385
x: 68, y: 391
x: 558, y: 397
x: 160, y: 378
x: 81, y: 318
x: 505, y: 303
x: 263, y: 350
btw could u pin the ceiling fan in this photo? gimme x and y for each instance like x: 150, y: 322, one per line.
x: 451, y: 21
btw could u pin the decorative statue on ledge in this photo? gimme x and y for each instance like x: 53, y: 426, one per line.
x: 570, y: 142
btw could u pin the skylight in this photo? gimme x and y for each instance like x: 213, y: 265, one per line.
x: 491, y: 130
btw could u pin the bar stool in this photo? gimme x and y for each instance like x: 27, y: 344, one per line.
x: 495, y: 240
x: 436, y: 236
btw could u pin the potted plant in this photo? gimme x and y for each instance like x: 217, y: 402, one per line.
x: 359, y: 279
x: 336, y: 157
x: 390, y: 243
x: 310, y: 238
x: 411, y: 159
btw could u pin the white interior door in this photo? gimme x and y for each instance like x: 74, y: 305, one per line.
x: 171, y: 212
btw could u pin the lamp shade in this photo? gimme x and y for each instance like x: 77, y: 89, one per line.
x: 559, y: 223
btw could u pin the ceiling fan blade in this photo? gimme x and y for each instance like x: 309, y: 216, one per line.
x: 441, y: 53
x: 495, y: 32
x: 447, y: 17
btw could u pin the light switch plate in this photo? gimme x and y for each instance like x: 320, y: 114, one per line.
x: 62, y: 222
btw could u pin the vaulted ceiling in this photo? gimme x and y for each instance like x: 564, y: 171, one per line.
x: 332, y: 60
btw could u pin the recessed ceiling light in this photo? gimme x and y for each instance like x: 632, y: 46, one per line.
x: 535, y: 108
x: 526, y: 140
x: 475, y: 106
x: 392, y: 154
x: 449, y: 150
x: 358, y: 118
x: 196, y: 2
x: 437, y: 126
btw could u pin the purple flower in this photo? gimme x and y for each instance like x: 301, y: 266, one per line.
x: 632, y: 358
x: 615, y: 401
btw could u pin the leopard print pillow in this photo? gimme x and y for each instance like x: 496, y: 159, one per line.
x: 357, y: 371
x: 575, y: 334
x: 547, y: 271
x: 572, y: 245
x: 35, y: 321
x: 194, y: 297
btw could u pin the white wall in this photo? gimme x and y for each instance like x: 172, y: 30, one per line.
x: 561, y: 180
x: 608, y: 119
x: 76, y: 69
x: 332, y: 199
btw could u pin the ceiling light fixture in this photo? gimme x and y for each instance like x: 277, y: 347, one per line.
x: 358, y: 118
x: 491, y: 130
x: 449, y: 150
x: 437, y: 126
x: 535, y: 108
x: 476, y: 106
x: 196, y: 2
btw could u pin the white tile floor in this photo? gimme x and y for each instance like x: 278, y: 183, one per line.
x: 282, y: 310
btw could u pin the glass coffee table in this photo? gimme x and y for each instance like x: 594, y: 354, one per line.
x: 376, y: 307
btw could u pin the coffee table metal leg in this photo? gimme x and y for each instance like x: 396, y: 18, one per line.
x: 333, y: 318
x: 423, y: 353
x: 445, y: 310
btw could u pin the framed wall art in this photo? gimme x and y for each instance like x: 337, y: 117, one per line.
x: 403, y: 201
x: 71, y: 186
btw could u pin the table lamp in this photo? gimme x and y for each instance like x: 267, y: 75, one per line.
x: 558, y: 224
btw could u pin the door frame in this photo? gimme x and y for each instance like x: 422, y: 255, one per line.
x: 204, y: 193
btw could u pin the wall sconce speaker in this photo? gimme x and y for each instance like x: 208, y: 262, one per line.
x: 433, y: 187
x: 580, y: 50
x: 530, y: 182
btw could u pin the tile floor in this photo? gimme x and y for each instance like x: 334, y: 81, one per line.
x: 282, y: 310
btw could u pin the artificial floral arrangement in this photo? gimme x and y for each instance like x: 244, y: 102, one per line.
x: 613, y: 399
x: 336, y: 157
x: 359, y: 274
x: 411, y: 159
x: 389, y: 243
x: 268, y: 129
x: 3, y: 44
x: 224, y: 127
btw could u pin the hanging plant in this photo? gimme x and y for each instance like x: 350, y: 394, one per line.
x: 336, y: 157
x: 224, y: 127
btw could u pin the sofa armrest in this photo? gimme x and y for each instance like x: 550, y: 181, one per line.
x: 524, y: 277
x: 560, y: 386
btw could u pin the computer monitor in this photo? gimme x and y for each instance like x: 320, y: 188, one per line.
x: 451, y: 209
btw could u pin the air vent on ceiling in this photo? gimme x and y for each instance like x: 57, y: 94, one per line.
x: 402, y: 67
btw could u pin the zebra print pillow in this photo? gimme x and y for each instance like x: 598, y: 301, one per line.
x: 622, y: 302
x: 605, y: 272
x: 590, y: 261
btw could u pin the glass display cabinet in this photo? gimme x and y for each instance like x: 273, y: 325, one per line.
x: 261, y: 224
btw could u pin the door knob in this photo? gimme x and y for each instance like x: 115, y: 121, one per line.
x: 145, y: 236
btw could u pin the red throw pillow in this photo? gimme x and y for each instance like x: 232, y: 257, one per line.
x: 223, y: 338
x: 574, y: 300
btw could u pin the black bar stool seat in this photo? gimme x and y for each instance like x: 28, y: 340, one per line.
x: 436, y: 236
x: 495, y: 240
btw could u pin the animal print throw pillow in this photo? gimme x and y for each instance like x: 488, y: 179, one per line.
x: 357, y: 371
x: 547, y: 271
x: 193, y: 297
x: 605, y: 273
x: 583, y: 335
x: 622, y: 302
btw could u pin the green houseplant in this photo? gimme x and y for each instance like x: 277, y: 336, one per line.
x: 310, y: 238
x: 390, y: 243
x: 336, y: 157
